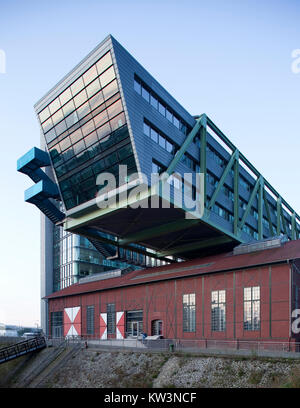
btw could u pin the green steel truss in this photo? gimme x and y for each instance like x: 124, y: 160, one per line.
x: 204, y: 124
x: 259, y: 191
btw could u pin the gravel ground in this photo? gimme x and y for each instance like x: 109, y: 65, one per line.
x: 102, y: 369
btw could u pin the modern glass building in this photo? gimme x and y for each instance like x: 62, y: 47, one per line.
x: 109, y: 111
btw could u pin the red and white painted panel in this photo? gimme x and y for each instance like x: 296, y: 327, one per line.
x: 72, y: 321
x: 120, y: 325
x: 103, y: 326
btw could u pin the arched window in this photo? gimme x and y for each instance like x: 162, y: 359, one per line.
x: 156, y: 327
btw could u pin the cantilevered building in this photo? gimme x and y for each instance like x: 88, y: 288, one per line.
x: 109, y: 111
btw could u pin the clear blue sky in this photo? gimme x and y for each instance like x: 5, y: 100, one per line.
x: 229, y: 59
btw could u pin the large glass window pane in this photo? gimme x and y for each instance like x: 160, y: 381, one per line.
x: 96, y: 100
x: 169, y: 115
x: 72, y: 119
x: 146, y: 129
x: 162, y: 141
x: 137, y: 86
x: 55, y: 151
x: 218, y: 310
x: 111, y: 159
x: 169, y: 146
x: 90, y: 75
x: 176, y: 121
x: 189, y: 312
x: 80, y: 98
x: 104, y: 63
x: 110, y: 90
x: 79, y: 147
x: 88, y: 128
x: 77, y: 86
x: 154, y: 135
x: 145, y: 94
x: 100, y: 119
x: 60, y: 171
x: 47, y: 125
x: 61, y: 127
x: 125, y: 152
x: 103, y: 130
x: 51, y: 135
x: 107, y: 76
x: 54, y: 106
x: 90, y: 320
x: 247, y: 293
x: 65, y: 143
x: 83, y: 110
x: 114, y: 109
x: 111, y: 318
x: 98, y: 167
x: 44, y: 114
x: 117, y: 121
x: 91, y: 139
x: 252, y: 308
x: 93, y: 88
x: 162, y: 109
x: 154, y: 101
x: 65, y: 96
x: 68, y: 108
x: 75, y: 136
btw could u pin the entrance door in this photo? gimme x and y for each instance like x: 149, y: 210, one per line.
x: 136, y: 328
x: 156, y: 327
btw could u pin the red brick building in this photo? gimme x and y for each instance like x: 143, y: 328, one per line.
x: 248, y: 296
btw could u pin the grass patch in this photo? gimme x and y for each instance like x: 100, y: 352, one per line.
x: 294, y: 379
x: 255, y: 377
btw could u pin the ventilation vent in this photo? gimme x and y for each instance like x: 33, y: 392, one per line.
x: 269, y: 243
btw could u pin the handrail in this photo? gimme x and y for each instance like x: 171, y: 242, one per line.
x: 21, y: 348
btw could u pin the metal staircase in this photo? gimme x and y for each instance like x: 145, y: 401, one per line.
x: 20, y: 349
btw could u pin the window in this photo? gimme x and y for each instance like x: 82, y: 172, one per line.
x: 57, y: 324
x: 111, y: 318
x: 154, y: 102
x: 154, y: 135
x: 161, y: 109
x: 156, y: 328
x: 107, y: 76
x: 158, y: 137
x: 137, y: 86
x: 90, y: 320
x: 189, y: 312
x: 104, y: 63
x: 252, y: 308
x: 146, y: 92
x: 218, y: 310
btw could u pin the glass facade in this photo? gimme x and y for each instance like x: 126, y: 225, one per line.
x: 74, y: 257
x: 86, y: 133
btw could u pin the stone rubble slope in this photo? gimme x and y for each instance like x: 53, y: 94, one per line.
x: 105, y: 369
